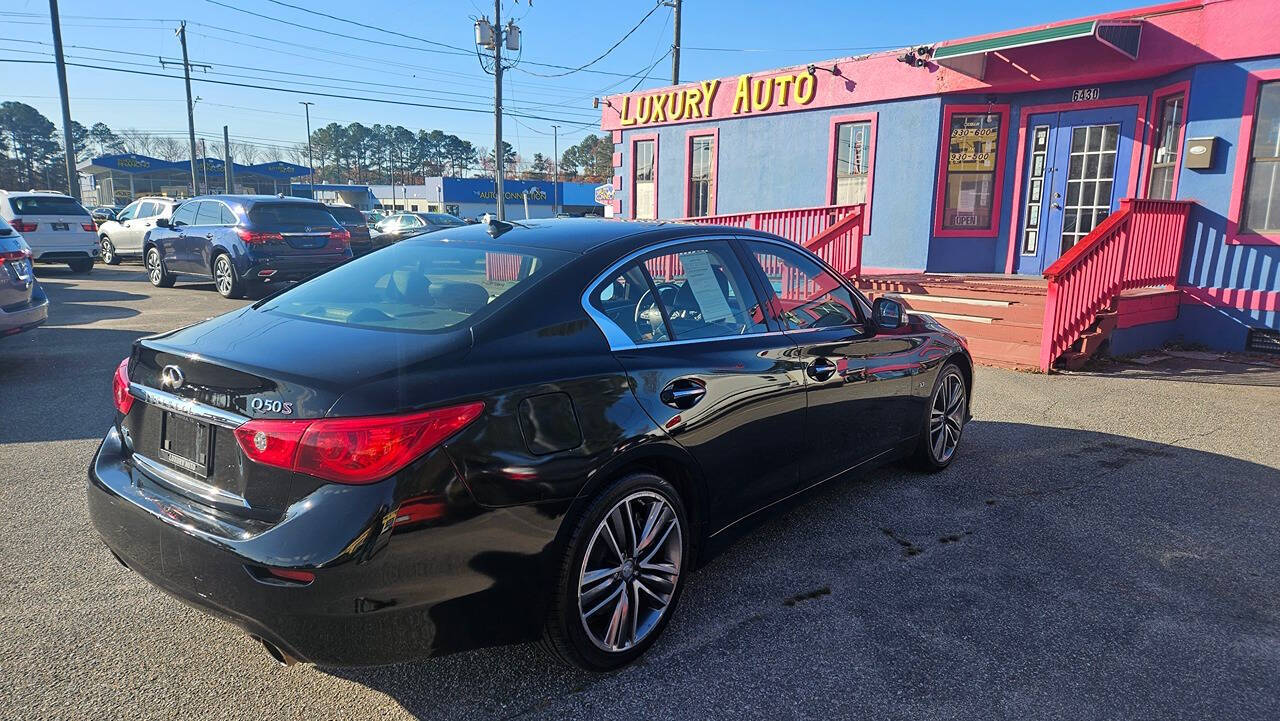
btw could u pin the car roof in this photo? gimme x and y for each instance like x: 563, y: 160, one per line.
x: 582, y: 235
x: 30, y: 193
x: 251, y: 199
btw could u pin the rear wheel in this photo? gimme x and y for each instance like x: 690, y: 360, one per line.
x: 109, y: 255
x: 620, y: 578
x: 156, y: 273
x: 225, y: 279
x: 80, y: 266
x: 944, y: 421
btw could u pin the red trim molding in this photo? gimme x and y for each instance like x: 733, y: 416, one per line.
x: 1157, y: 99
x: 1140, y: 130
x: 997, y: 189
x: 1244, y: 148
x: 631, y: 176
x: 833, y: 152
x: 1236, y: 298
x: 714, y: 134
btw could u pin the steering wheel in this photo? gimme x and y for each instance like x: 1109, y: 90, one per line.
x: 643, y: 311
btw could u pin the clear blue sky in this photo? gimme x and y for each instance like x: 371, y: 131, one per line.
x: 554, y: 31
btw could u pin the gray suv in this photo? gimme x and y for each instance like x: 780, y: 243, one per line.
x: 123, y: 236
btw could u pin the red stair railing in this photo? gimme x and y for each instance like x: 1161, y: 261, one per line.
x: 833, y: 232
x: 1139, y: 246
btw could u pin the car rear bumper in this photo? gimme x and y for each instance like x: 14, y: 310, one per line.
x: 24, y: 317
x: 381, y: 594
x: 285, y: 269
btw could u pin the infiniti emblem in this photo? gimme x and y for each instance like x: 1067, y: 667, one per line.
x: 171, y: 377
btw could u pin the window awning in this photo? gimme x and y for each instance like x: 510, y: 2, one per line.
x: 970, y: 58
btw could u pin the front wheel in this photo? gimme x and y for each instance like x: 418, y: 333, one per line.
x: 620, y: 578
x: 156, y: 272
x: 109, y: 255
x: 944, y: 421
x: 225, y: 279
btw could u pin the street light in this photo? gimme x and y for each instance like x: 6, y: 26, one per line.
x: 311, y: 166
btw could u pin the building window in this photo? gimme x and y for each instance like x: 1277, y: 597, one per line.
x: 853, y: 163
x: 1262, y: 188
x: 644, y: 176
x: 702, y: 182
x: 1164, y: 162
x: 1035, y: 189
x: 971, y: 164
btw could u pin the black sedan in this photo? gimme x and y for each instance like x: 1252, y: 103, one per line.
x: 505, y: 432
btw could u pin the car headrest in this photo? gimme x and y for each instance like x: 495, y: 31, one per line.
x: 462, y: 297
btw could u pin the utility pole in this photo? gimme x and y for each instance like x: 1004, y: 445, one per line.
x: 310, y: 164
x: 497, y: 109
x: 204, y: 165
x: 555, y: 169
x: 191, y: 113
x: 228, y: 171
x: 391, y: 177
x: 675, y: 47
x: 66, y: 104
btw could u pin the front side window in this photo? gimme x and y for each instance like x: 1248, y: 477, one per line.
x: 972, y: 155
x: 698, y: 291
x: 1262, y: 189
x: 1164, y: 163
x: 645, y: 200
x: 184, y: 215
x: 130, y: 212
x: 810, y: 297
x: 853, y: 163
x: 702, y: 186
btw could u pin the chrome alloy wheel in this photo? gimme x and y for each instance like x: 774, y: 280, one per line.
x: 223, y: 275
x: 108, y: 251
x: 946, y: 417
x: 154, y: 272
x: 630, y: 571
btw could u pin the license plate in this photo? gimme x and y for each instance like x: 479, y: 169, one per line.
x: 19, y: 269
x: 186, y: 444
x: 61, y: 226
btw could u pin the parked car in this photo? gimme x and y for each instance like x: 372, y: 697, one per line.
x: 406, y: 225
x: 245, y: 243
x: 103, y: 213
x: 56, y: 227
x: 123, y: 236
x: 372, y: 217
x: 23, y: 304
x: 502, y: 432
x: 353, y: 220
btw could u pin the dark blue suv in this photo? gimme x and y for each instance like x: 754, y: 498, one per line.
x: 245, y: 243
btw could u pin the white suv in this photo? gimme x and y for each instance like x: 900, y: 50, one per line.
x: 123, y: 236
x: 56, y: 226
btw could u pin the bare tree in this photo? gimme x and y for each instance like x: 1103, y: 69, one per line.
x: 246, y: 153
x: 170, y: 148
x: 137, y: 141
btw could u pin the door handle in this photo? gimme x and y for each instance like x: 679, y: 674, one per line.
x: 683, y: 393
x: 821, y: 369
x: 208, y: 236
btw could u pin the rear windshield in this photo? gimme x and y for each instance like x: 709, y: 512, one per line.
x: 443, y: 219
x: 417, y: 285
x: 269, y: 214
x: 348, y: 216
x: 46, y: 205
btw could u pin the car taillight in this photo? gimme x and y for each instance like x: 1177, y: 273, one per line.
x: 89, y: 226
x: 340, y: 235
x: 257, y: 236
x: 22, y: 226
x: 352, y: 450
x: 14, y: 254
x: 120, y: 388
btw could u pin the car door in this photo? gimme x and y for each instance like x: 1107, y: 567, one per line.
x: 137, y: 226
x: 685, y: 322
x: 197, y: 242
x: 859, y: 383
x: 171, y: 241
x: 122, y: 232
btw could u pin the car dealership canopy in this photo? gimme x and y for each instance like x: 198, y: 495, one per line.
x: 122, y: 177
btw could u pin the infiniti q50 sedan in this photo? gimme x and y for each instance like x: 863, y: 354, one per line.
x: 506, y: 432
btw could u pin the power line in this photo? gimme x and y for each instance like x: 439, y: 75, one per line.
x: 602, y: 56
x: 793, y: 50
x: 363, y: 25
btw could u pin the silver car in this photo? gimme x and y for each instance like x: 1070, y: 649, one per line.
x: 123, y: 236
x: 23, y: 304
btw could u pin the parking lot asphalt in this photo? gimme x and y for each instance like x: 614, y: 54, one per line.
x: 1103, y: 547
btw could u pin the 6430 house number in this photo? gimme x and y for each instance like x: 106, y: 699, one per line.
x: 1082, y: 95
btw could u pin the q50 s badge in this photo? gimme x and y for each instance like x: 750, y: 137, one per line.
x: 262, y: 405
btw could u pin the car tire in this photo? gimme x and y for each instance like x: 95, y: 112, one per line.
x: 109, y: 255
x: 80, y: 266
x: 944, y: 419
x: 156, y: 272
x: 225, y: 279
x: 602, y: 622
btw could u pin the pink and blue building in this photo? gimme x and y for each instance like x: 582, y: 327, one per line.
x: 1126, y: 163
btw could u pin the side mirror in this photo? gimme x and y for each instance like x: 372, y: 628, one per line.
x: 887, y: 313
x: 162, y: 222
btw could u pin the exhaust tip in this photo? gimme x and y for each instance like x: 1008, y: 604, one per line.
x: 274, y: 651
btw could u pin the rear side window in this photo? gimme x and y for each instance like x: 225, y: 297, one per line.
x: 415, y: 285
x: 210, y: 213
x: 228, y: 218
x: 46, y: 205
x: 697, y: 291
x: 148, y: 209
x: 347, y: 216
x: 273, y: 214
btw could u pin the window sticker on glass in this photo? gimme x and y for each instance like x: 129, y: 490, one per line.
x: 706, y: 289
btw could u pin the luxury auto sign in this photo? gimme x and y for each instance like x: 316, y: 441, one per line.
x: 690, y: 103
